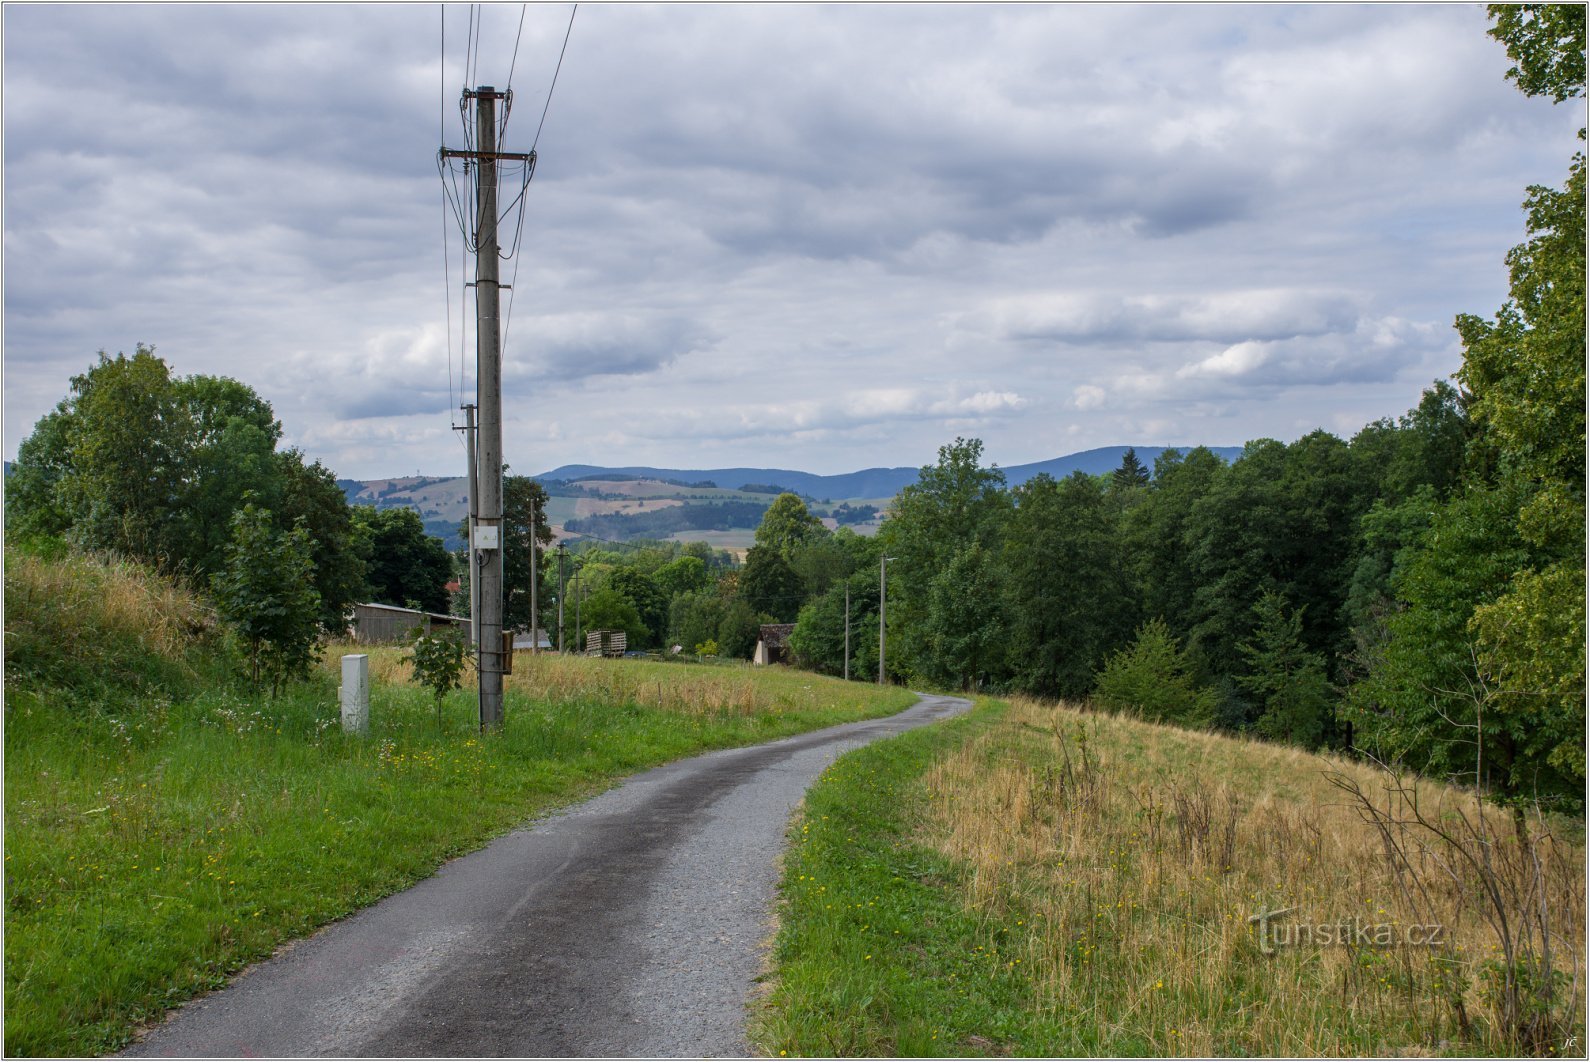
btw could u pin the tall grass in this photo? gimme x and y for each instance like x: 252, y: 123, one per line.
x: 87, y: 621
x: 1117, y: 872
x: 1144, y: 853
x: 160, y: 837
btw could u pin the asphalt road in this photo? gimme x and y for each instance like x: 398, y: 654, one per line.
x: 631, y: 925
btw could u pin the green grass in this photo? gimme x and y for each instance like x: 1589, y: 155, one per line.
x: 877, y: 955
x: 159, y: 838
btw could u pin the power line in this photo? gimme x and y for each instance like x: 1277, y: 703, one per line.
x: 508, y: 102
x: 554, y: 85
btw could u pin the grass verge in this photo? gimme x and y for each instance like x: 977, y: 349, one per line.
x: 158, y: 839
x: 1035, y: 880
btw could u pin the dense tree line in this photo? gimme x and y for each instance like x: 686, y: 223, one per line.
x: 1415, y: 592
x: 177, y: 472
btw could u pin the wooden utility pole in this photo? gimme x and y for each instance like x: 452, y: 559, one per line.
x: 535, y: 610
x: 469, y: 524
x: 847, y: 630
x: 563, y: 589
x: 883, y: 598
x: 486, y: 532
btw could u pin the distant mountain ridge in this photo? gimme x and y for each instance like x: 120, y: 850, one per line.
x: 880, y: 482
x: 642, y: 501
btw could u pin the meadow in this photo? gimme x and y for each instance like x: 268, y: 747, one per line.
x: 1035, y: 879
x: 166, y: 826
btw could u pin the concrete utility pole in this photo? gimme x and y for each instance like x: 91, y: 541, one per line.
x: 535, y: 610
x: 486, y: 531
x: 883, y: 596
x: 474, y: 492
x: 847, y: 630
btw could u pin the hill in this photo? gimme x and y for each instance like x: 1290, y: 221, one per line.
x: 722, y: 505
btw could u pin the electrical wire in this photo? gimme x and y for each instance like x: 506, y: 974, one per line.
x: 507, y: 105
x: 554, y: 85
x: 447, y: 255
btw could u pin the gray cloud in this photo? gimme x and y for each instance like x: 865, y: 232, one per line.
x: 753, y: 225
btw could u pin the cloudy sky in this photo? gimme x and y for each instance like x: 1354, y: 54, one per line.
x: 823, y: 238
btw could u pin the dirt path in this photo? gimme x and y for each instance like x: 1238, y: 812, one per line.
x: 630, y: 925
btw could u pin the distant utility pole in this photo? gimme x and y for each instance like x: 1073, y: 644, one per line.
x: 563, y: 587
x: 579, y: 599
x: 847, y: 630
x: 535, y: 611
x: 883, y: 597
x: 486, y: 531
x: 474, y: 492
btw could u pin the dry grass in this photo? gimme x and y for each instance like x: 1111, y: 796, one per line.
x: 84, y: 620
x: 1136, y: 855
x: 685, y: 689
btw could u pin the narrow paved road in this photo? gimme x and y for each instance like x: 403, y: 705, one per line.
x: 631, y: 926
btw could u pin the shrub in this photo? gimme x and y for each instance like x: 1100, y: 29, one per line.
x: 1154, y: 679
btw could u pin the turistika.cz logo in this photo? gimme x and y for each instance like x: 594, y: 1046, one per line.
x: 1275, y: 934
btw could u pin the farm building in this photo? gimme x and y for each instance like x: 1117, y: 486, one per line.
x: 772, y: 646
x: 388, y: 623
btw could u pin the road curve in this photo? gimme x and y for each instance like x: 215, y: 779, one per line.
x: 631, y: 925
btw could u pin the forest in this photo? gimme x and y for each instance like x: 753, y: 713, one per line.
x: 1414, y: 593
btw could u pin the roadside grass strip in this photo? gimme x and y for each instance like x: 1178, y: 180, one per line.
x: 1036, y: 880
x: 156, y: 843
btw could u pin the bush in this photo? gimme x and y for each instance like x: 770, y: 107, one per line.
x: 1154, y: 679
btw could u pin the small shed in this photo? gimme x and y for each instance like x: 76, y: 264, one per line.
x: 772, y: 644
x: 606, y: 643
x: 373, y: 623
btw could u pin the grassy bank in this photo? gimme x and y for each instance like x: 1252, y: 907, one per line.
x: 164, y: 828
x: 1033, y: 880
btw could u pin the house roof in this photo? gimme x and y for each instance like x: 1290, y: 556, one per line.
x: 776, y: 635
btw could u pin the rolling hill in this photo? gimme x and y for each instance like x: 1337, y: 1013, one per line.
x: 722, y: 505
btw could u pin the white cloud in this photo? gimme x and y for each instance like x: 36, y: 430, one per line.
x: 1087, y: 397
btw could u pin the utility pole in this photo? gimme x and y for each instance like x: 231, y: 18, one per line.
x: 474, y: 492
x: 579, y: 598
x: 847, y: 630
x: 883, y: 597
x: 563, y: 587
x: 535, y: 611
x: 486, y: 532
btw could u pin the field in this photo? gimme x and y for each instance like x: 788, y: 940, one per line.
x: 165, y: 827
x: 1036, y: 880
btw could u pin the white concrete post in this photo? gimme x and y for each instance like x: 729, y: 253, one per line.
x: 355, y: 694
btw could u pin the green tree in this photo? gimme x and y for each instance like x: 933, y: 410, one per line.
x: 641, y: 591
x: 1546, y: 44
x: 786, y: 525
x: 406, y: 564
x: 1132, y: 472
x: 694, y: 618
x: 125, y: 444
x: 1069, y: 595
x: 1295, y: 702
x: 953, y: 504
x: 819, y: 636
x: 1154, y: 678
x: 686, y: 575
x: 525, y: 526
x: 739, y: 630
x: 266, y: 593
x: 965, y: 620
x: 1490, y: 644
x: 309, y: 495
x: 609, y: 610
x: 769, y: 585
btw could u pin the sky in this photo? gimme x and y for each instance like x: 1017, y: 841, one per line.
x: 813, y: 237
